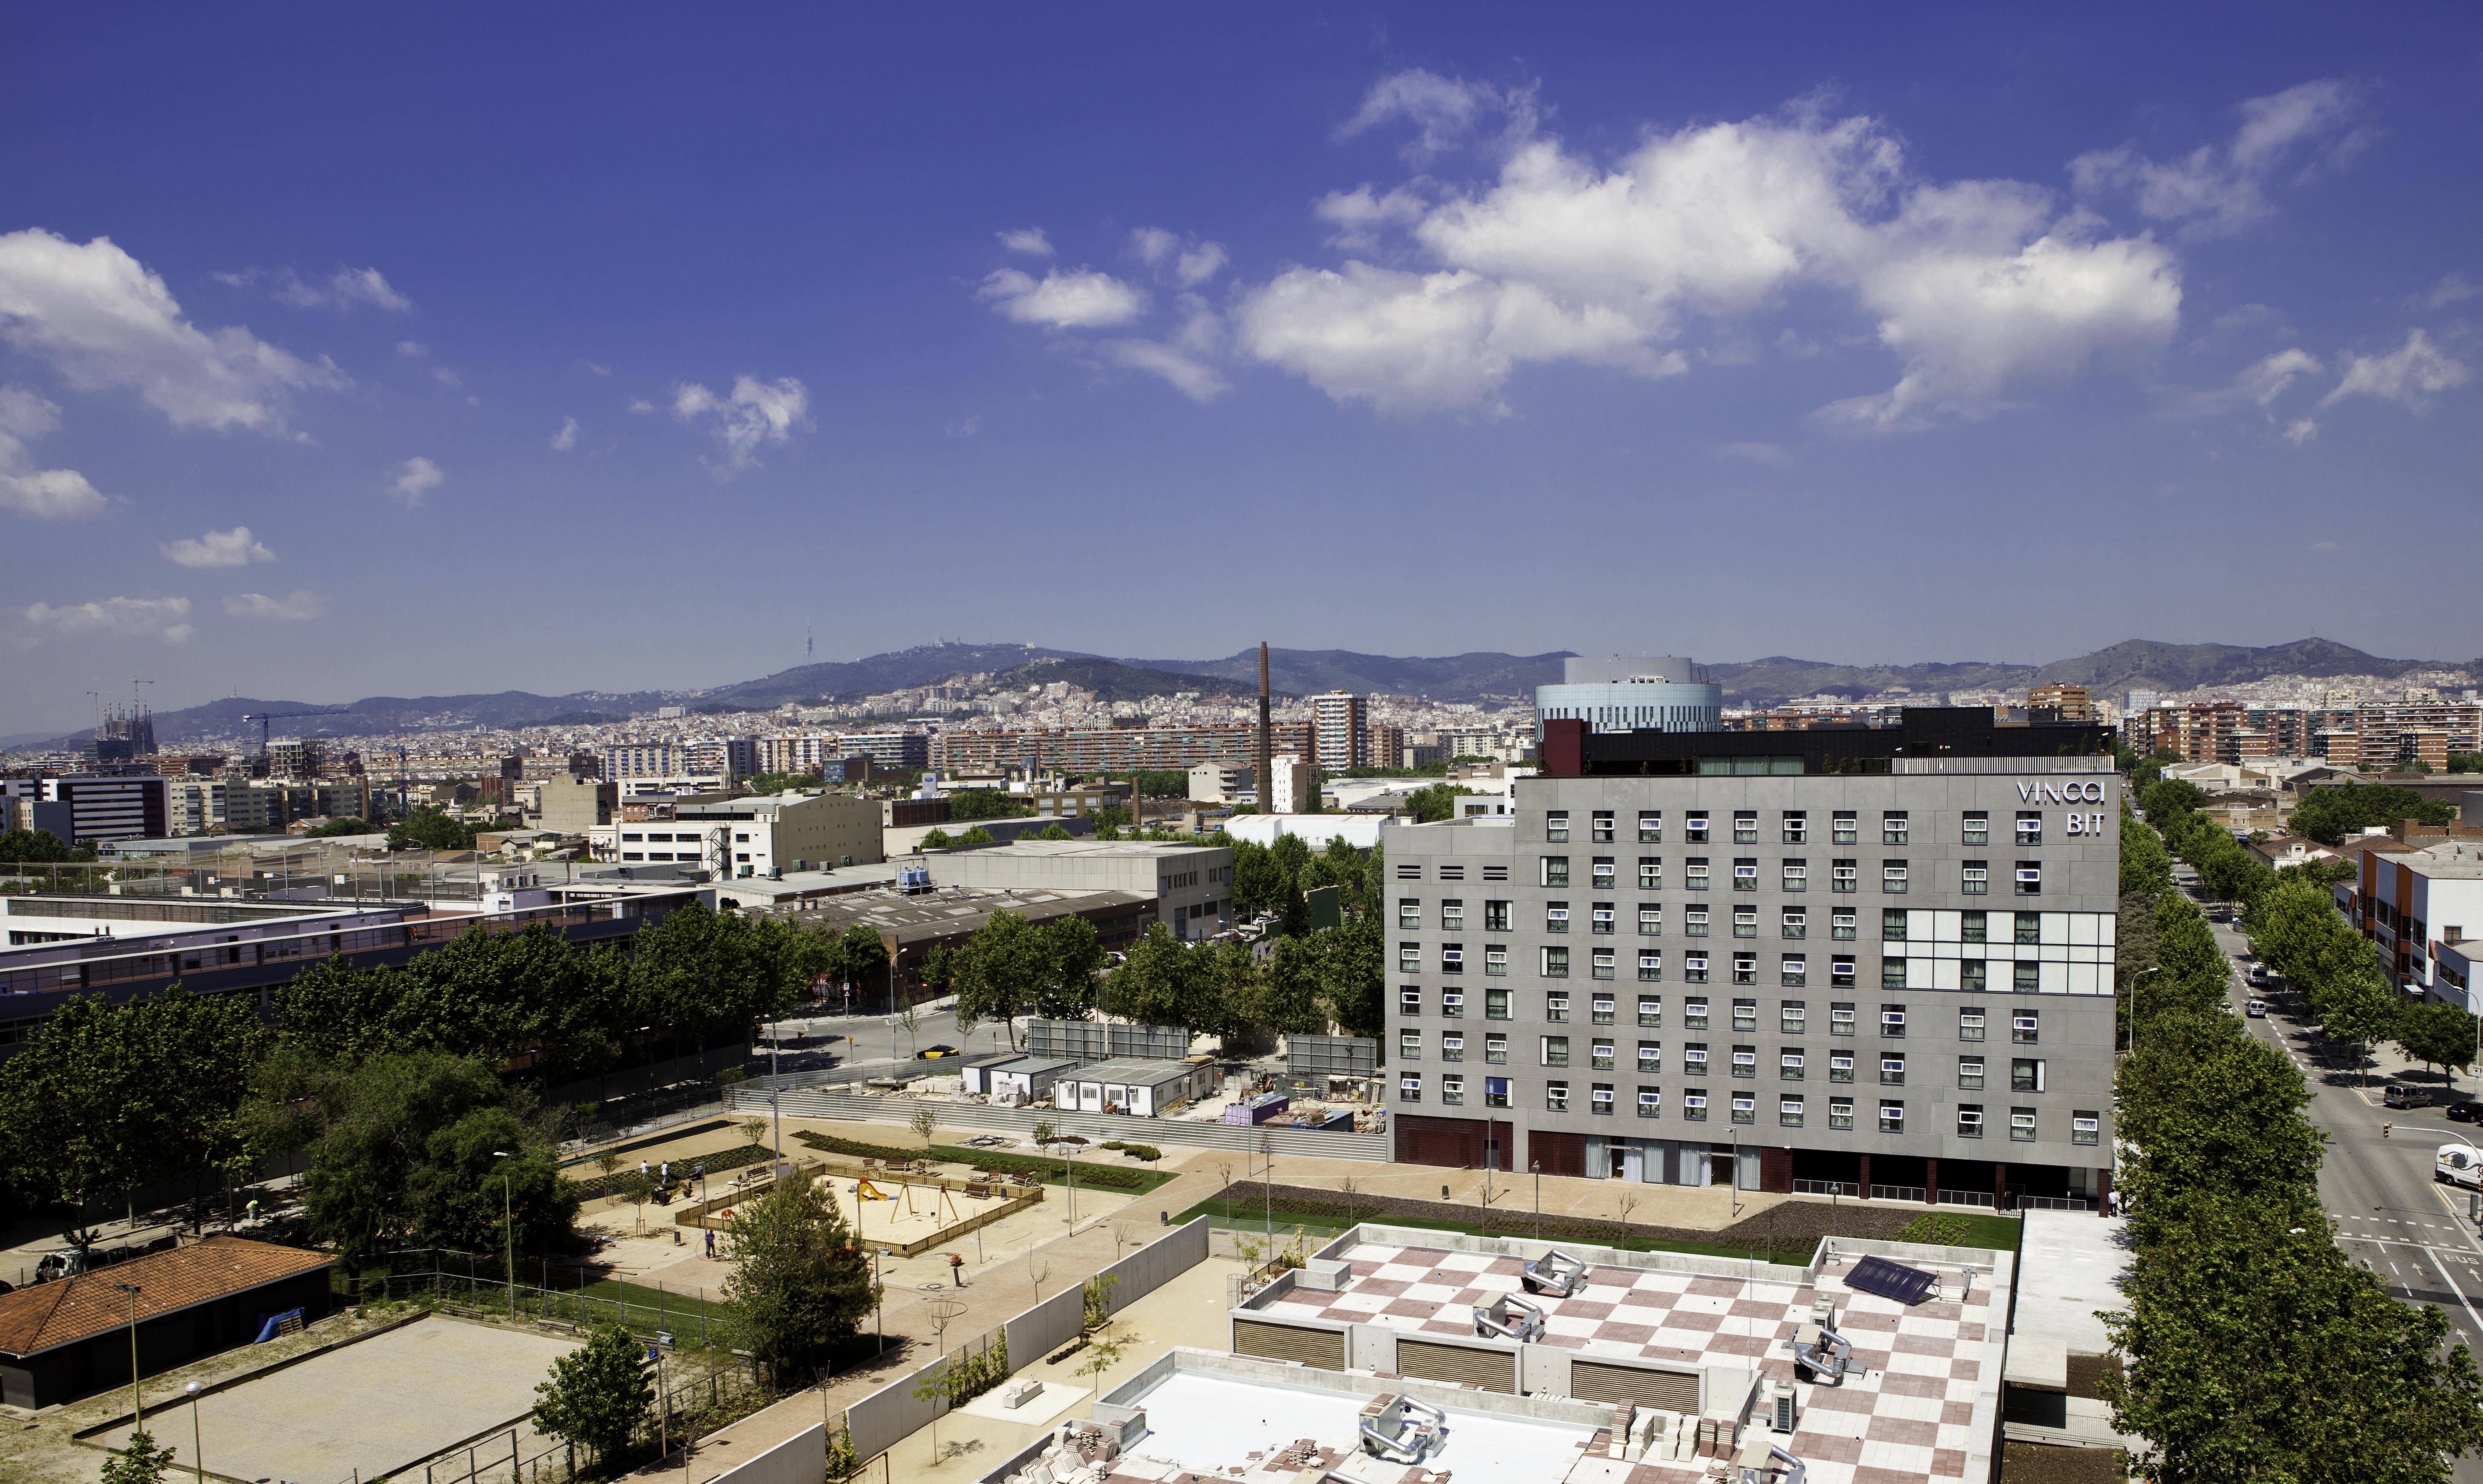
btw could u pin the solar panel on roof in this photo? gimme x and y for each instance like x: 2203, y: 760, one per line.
x: 1891, y: 1280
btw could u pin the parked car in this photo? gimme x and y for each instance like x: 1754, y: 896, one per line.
x: 2465, y: 1110
x: 2397, y: 1094
x: 933, y: 1052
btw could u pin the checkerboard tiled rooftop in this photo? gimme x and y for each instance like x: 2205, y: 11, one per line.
x: 1904, y: 1417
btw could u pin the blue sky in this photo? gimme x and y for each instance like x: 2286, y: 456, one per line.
x: 555, y: 348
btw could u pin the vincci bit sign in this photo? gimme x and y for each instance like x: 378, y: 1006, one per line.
x: 2089, y: 792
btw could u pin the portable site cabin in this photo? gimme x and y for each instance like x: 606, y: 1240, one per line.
x: 973, y: 1073
x: 1134, y: 1085
x: 1024, y: 1078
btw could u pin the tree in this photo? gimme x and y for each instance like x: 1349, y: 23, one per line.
x: 2168, y: 797
x: 967, y: 804
x: 430, y: 830
x: 139, y: 1461
x: 1437, y: 802
x: 801, y: 1286
x: 1054, y: 832
x: 343, y: 824
x: 1071, y: 958
x: 2436, y: 1033
x: 977, y: 836
x: 1259, y: 882
x: 376, y: 1124
x: 922, y: 1125
x: 1288, y: 998
x: 455, y: 1197
x: 936, y: 839
x: 38, y: 847
x: 598, y: 1395
x: 857, y: 957
x: 1354, y: 975
x: 2331, y: 813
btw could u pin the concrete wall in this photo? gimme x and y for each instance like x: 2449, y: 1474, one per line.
x: 801, y: 1459
x: 822, y: 1103
x: 1156, y: 1263
x: 1046, y: 1327
x: 888, y: 1416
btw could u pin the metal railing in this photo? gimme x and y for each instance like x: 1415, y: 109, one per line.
x: 1846, y: 1188
x: 2053, y: 1203
x: 1981, y: 1198
x: 1914, y: 1193
x: 811, y: 1102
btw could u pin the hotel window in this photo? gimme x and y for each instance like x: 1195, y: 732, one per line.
x: 1602, y: 873
x: 1453, y: 958
x: 1495, y: 1004
x: 1495, y: 1092
x: 1453, y: 1046
x: 1555, y: 1096
x: 1650, y: 1010
x: 1790, y: 1015
x: 1555, y: 1007
x: 1453, y: 916
x: 1746, y: 1015
x: 1892, y: 925
x: 1794, y: 971
x: 1453, y: 1004
x: 1694, y: 1058
x: 2021, y: 1125
x: 1840, y: 974
x: 1970, y: 1073
x: 2026, y: 978
x: 1842, y: 826
x: 1556, y: 963
x: 1600, y: 1009
x: 1600, y: 919
x: 2025, y: 1074
x: 1844, y: 876
x: 2085, y: 1127
x: 1409, y: 958
x: 1695, y: 828
x: 2022, y: 1027
x: 1796, y: 875
x: 1978, y: 828
x: 1600, y: 1099
x: 1840, y: 1112
x: 633, y: 839
x: 1840, y: 925
x: 1797, y: 924
x: 1650, y: 921
x: 1693, y: 873
x: 1746, y: 1061
x: 1745, y: 923
x: 1892, y: 877
x: 1409, y: 1045
x: 1650, y: 873
x: 1840, y: 1066
x: 1556, y: 1050
x: 1789, y: 1112
x: 1495, y: 1048
x: 1892, y: 1116
x: 2030, y: 928
x: 1746, y: 1108
x: 1789, y: 1065
x: 1495, y: 916
x: 1410, y: 912
x: 1694, y: 920
x: 1840, y: 1017
x: 1892, y: 827
x: 1970, y: 1022
x: 1650, y: 1056
x: 1495, y: 959
x: 1796, y: 826
x: 1650, y: 1103
x: 1650, y: 966
x: 1892, y: 1071
x: 2030, y: 828
x: 1974, y: 877
x: 1453, y: 1090
x: 2030, y: 877
x: 1600, y: 1055
x: 1892, y: 1022
x: 1650, y: 826
x: 1746, y: 827
x: 1409, y: 999
x: 1555, y: 916
x: 1969, y: 1120
x: 1601, y: 965
x: 1694, y: 1104
x: 1693, y: 1013
x: 1600, y: 827
x: 1556, y: 870
x: 1745, y: 873
x: 1409, y: 1087
x: 1971, y: 926
x: 1556, y: 824
x: 1746, y: 969
x: 1972, y: 974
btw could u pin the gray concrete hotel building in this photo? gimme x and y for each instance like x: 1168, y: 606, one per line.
x: 1872, y: 959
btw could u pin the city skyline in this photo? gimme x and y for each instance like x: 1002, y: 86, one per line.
x: 384, y: 359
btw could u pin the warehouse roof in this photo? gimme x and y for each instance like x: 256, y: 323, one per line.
x: 49, y: 1315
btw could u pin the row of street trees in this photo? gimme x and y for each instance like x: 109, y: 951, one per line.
x: 2254, y: 1348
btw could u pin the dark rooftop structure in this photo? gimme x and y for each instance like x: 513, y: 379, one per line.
x: 1571, y: 750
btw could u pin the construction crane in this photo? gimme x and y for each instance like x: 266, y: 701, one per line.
x: 265, y: 717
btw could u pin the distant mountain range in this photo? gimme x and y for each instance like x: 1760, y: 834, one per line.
x: 1482, y: 676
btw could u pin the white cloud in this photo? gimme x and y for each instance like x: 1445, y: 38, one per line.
x: 1077, y: 299
x: 2452, y: 288
x: 1757, y: 453
x: 445, y: 377
x: 343, y: 289
x: 567, y: 438
x: 2411, y: 375
x: 1188, y: 263
x: 2219, y: 189
x: 755, y: 412
x: 2301, y: 430
x: 1195, y: 377
x: 1361, y: 217
x: 1445, y: 112
x: 415, y: 478
x: 295, y: 607
x: 2257, y: 385
x: 128, y: 618
x: 1028, y: 240
x: 103, y: 321
x: 46, y: 494
x: 594, y: 368
x: 412, y: 349
x: 235, y: 547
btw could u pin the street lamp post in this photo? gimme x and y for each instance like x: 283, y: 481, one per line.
x: 508, y: 1231
x: 137, y: 1412
x: 197, y: 1450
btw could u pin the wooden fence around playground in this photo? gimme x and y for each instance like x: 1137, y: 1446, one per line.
x: 715, y: 1213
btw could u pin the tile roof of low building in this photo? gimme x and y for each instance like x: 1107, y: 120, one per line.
x: 45, y: 1316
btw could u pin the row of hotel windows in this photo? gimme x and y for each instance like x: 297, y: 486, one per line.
x: 1793, y: 828
x: 1792, y: 922
x: 2026, y: 1074
x: 1793, y: 971
x: 2025, y: 1027
x: 1844, y: 877
x: 2085, y: 1125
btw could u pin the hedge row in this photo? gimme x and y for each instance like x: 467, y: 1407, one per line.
x: 599, y: 1185
x: 1105, y: 1177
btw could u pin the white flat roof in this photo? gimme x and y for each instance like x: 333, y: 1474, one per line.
x: 2068, y: 1269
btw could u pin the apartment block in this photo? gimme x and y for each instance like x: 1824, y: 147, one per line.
x: 2415, y: 907
x: 2071, y: 702
x: 111, y: 806
x: 1089, y: 749
x: 1341, y: 732
x: 753, y: 836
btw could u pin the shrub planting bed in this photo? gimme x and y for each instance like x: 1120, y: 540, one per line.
x: 1103, y: 1177
x: 599, y: 1184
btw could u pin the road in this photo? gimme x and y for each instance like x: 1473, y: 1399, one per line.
x: 867, y: 1045
x: 2415, y: 1234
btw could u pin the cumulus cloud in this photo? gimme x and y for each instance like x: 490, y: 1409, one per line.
x: 295, y: 607
x: 100, y: 319
x: 1187, y: 262
x: 2452, y: 288
x: 1028, y: 240
x: 2301, y: 430
x: 46, y: 494
x: 2411, y: 376
x: 1444, y: 112
x: 2257, y: 385
x: 567, y: 438
x: 235, y: 547
x: 445, y: 377
x: 1361, y: 215
x: 412, y: 349
x: 2221, y: 188
x: 754, y: 413
x: 417, y: 478
x: 341, y: 290
x: 124, y: 617
x: 1075, y: 299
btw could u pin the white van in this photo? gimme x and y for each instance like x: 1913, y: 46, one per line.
x: 2459, y: 1165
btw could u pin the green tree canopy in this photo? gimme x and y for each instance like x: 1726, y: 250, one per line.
x: 379, y: 1117
x: 430, y: 830
x: 342, y: 824
x: 977, y: 836
x: 2436, y: 1033
x: 599, y: 1393
x: 38, y: 847
x: 972, y: 804
x: 1437, y: 802
x: 2330, y: 814
x: 800, y: 1284
x: 455, y: 1195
